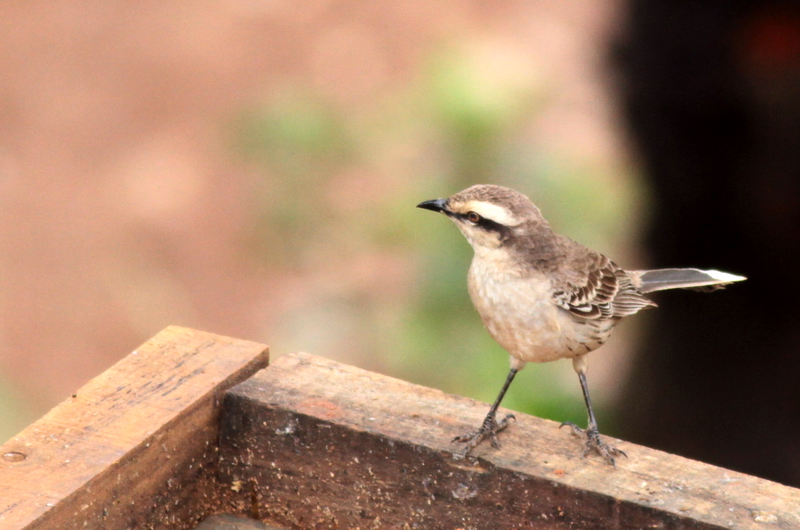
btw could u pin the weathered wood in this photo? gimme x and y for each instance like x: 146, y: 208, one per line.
x: 311, y: 443
x: 229, y: 522
x: 120, y: 451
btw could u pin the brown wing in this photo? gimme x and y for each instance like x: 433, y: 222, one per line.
x: 594, y: 287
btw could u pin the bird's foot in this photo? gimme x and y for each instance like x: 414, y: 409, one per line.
x: 488, y: 429
x: 594, y: 443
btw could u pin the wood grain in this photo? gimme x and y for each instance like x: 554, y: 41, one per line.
x: 129, y: 442
x: 311, y: 443
x: 229, y: 522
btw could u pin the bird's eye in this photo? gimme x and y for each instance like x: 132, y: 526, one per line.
x: 472, y: 217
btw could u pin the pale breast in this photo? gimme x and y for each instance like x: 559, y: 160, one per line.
x: 519, y: 315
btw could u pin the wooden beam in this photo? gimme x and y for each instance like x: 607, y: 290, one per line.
x: 125, y: 445
x: 229, y: 522
x: 311, y: 443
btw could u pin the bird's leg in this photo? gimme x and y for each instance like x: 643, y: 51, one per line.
x: 592, y: 434
x: 490, y: 426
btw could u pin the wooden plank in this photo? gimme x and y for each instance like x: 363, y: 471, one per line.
x: 125, y: 444
x: 311, y: 443
x: 229, y: 522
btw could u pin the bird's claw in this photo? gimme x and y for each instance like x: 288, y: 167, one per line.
x: 488, y: 429
x: 594, y: 443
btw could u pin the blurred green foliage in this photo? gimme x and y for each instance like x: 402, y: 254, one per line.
x: 15, y: 416
x: 453, y: 127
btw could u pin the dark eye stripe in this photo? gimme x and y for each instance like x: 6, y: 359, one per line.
x: 486, y: 224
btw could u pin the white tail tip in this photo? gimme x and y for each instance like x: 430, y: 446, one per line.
x: 724, y: 276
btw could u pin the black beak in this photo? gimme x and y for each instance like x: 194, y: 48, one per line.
x: 435, y: 205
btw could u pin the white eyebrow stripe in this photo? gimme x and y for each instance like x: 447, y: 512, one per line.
x: 493, y: 212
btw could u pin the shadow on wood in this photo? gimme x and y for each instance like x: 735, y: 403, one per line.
x: 311, y: 443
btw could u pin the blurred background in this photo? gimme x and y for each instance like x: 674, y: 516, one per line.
x: 251, y: 168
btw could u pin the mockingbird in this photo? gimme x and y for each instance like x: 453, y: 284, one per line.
x: 544, y: 297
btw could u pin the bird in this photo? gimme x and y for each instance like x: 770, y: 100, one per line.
x: 544, y: 297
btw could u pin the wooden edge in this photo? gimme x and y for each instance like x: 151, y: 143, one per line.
x: 312, y: 443
x: 229, y: 522
x: 101, y: 458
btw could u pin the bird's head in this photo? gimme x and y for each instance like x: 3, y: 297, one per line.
x: 490, y: 216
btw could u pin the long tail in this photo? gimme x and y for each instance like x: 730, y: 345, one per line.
x: 660, y: 279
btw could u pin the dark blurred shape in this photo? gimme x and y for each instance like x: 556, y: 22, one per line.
x: 711, y: 94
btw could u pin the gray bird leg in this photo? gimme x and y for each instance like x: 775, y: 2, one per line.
x: 592, y: 434
x: 490, y: 426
